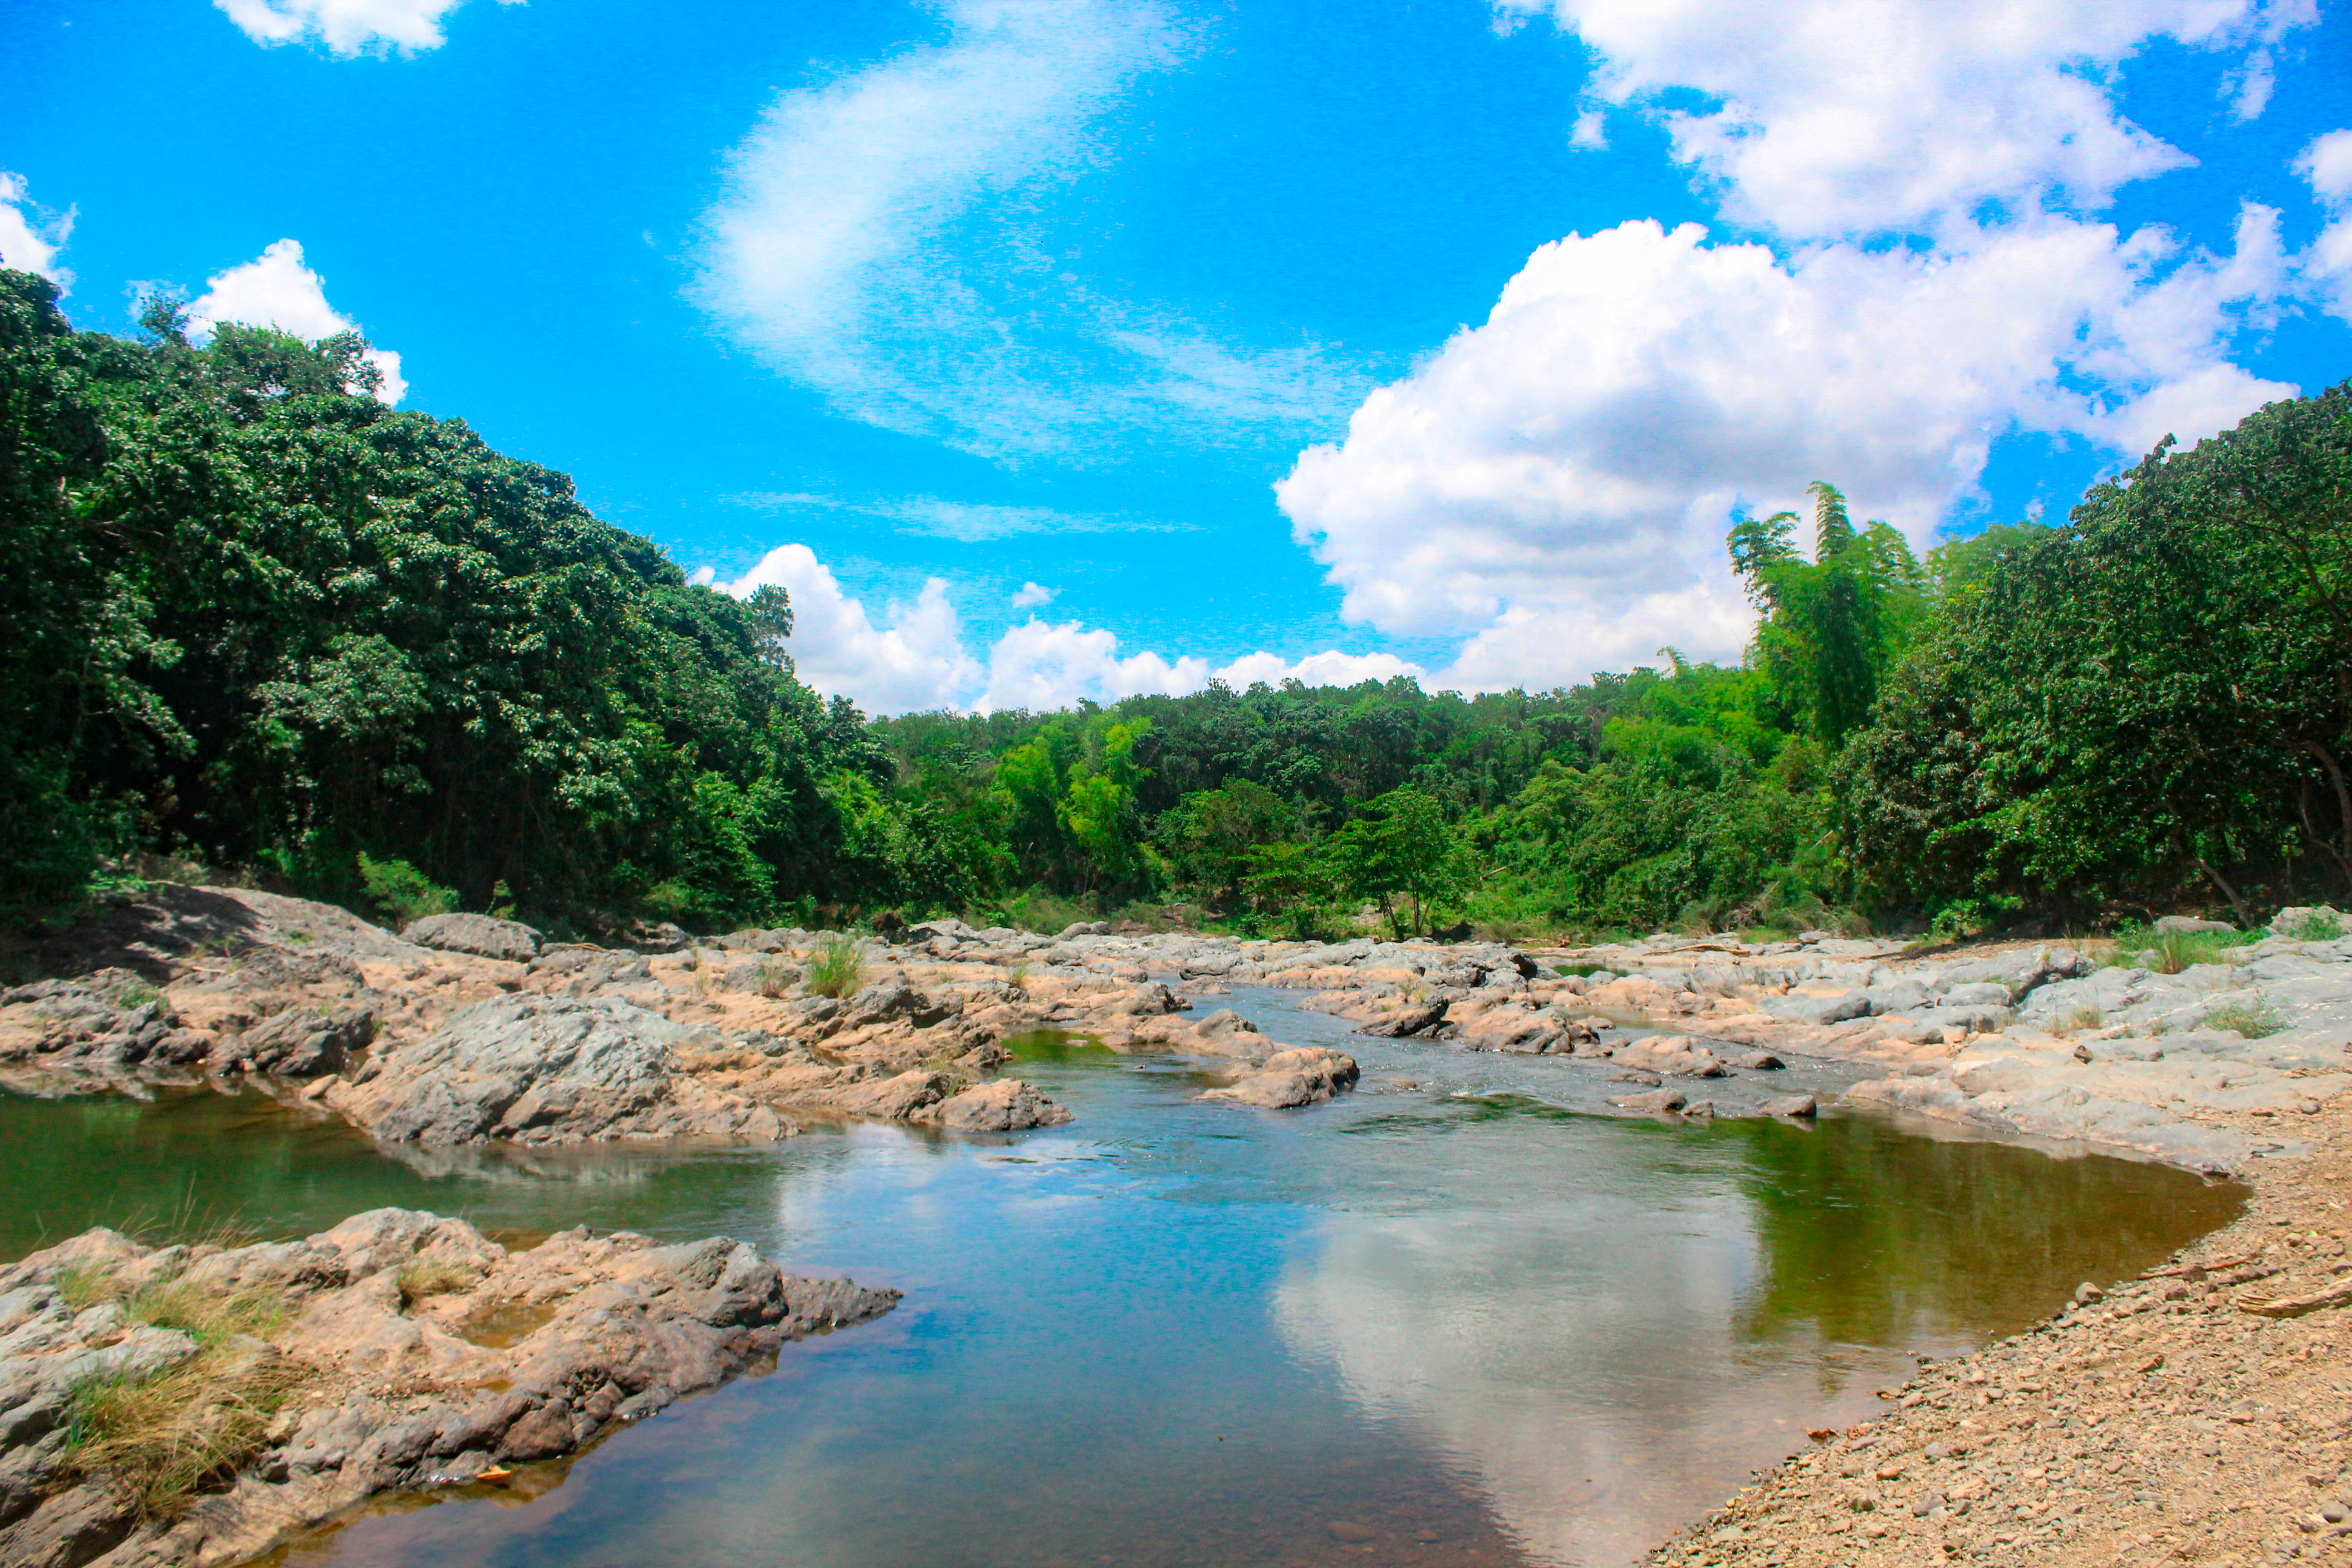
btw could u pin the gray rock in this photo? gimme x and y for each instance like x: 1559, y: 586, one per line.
x: 1797, y: 1008
x: 484, y: 936
x: 546, y: 1069
x: 1414, y: 1018
x: 1289, y: 1079
x: 1658, y: 1101
x: 302, y: 1042
x: 1005, y: 1105
x: 1759, y: 1061
x: 2190, y: 923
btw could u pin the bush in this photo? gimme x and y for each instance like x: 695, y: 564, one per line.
x: 401, y: 892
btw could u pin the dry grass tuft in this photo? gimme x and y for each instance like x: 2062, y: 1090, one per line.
x: 431, y: 1276
x: 167, y: 1437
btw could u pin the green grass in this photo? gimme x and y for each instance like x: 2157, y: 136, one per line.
x: 836, y: 965
x: 2311, y: 928
x: 2170, y: 951
x: 2082, y: 1015
x: 2254, y: 1019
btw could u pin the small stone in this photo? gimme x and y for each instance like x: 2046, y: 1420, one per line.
x: 2085, y: 1293
x: 1936, y: 1451
x: 1351, y: 1533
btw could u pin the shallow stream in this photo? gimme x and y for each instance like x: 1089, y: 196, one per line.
x: 1450, y: 1320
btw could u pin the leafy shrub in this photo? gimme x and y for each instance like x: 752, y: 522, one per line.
x: 2170, y: 951
x: 402, y: 891
x: 836, y: 965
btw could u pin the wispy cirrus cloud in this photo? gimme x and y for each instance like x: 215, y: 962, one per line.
x: 885, y: 238
x: 967, y: 522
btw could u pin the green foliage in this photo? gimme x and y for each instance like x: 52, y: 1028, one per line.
x: 257, y: 617
x: 402, y: 891
x: 2155, y: 697
x: 2255, y: 1019
x: 1835, y: 625
x: 2317, y: 926
x: 837, y: 966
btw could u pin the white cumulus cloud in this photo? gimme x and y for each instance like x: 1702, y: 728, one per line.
x: 344, y: 27
x: 30, y: 240
x: 1832, y: 117
x: 880, y: 241
x: 2327, y: 163
x: 1555, y: 484
x: 277, y: 289
x: 1558, y: 480
x: 917, y: 662
x: 916, y: 657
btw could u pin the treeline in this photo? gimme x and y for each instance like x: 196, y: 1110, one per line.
x: 253, y: 617
x: 257, y: 619
x: 2144, y: 709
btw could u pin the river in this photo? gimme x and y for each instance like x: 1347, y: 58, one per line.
x: 1453, y: 1319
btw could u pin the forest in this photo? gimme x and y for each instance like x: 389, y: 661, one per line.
x: 262, y: 625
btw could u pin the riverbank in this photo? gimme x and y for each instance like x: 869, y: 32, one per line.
x: 2199, y: 1413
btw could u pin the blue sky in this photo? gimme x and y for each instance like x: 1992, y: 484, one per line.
x: 1048, y: 350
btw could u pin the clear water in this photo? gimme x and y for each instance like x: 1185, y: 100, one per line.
x: 1463, y: 1322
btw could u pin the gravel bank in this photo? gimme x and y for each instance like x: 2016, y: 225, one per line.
x: 2162, y: 1420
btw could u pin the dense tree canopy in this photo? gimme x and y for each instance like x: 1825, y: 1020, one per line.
x: 258, y: 619
x: 261, y: 618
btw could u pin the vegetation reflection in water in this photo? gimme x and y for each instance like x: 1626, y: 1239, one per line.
x: 1482, y: 1329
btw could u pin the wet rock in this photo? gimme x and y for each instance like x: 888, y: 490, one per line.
x: 300, y: 1042
x: 1676, y: 1056
x: 893, y: 1098
x: 1759, y: 1061
x: 1659, y: 1101
x: 1414, y: 1018
x: 1637, y: 1074
x: 1289, y: 1079
x: 1799, y: 1105
x: 484, y: 936
x: 1005, y: 1105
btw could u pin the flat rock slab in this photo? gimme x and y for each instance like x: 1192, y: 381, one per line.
x: 484, y: 936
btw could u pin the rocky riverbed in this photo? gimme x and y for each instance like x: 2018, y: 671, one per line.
x: 464, y: 1031
x: 195, y: 1405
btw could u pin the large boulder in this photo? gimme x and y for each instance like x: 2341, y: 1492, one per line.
x: 1005, y: 1105
x: 547, y: 1070
x: 484, y: 936
x: 300, y: 1042
x: 1290, y: 1078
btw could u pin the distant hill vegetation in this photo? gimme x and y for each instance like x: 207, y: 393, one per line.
x: 255, y: 619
